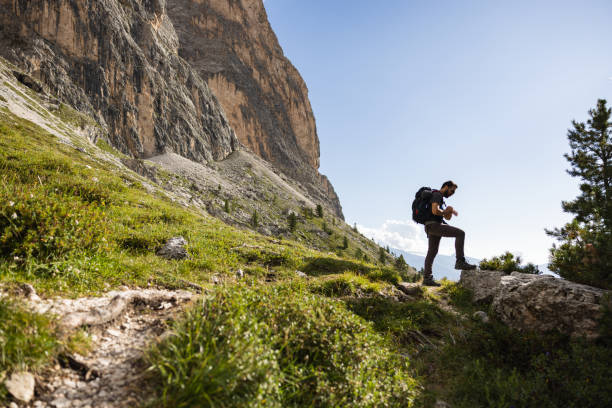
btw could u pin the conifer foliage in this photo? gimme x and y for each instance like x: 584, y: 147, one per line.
x: 585, y: 252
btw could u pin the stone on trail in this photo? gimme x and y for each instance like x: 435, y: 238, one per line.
x: 482, y: 316
x: 174, y: 249
x: 410, y: 289
x: 21, y: 386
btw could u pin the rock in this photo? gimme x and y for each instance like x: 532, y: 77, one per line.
x: 410, y: 289
x: 21, y: 386
x: 30, y: 292
x: 174, y: 249
x: 441, y: 404
x: 301, y: 274
x: 540, y: 303
x: 544, y: 303
x: 483, y: 284
x: 13, y: 405
x: 482, y: 316
x: 239, y: 274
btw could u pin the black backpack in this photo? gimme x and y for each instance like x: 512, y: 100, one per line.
x: 421, y: 206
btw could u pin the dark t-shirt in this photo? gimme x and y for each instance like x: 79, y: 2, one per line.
x: 437, y: 197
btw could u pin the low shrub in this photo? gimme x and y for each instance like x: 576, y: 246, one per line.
x: 344, y: 285
x: 40, y: 224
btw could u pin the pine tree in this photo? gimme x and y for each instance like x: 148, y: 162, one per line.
x: 255, y: 219
x: 382, y: 257
x: 400, y: 263
x: 319, y: 211
x: 227, y: 206
x: 345, y: 243
x: 585, y: 252
x: 292, y: 221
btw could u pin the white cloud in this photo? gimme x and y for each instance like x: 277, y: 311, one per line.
x: 404, y: 235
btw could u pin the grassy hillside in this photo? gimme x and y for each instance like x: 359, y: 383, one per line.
x: 74, y: 221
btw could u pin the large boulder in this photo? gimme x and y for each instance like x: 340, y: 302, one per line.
x: 483, y: 284
x: 540, y: 303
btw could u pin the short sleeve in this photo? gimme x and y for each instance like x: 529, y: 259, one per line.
x: 436, y: 197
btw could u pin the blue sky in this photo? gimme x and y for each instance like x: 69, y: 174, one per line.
x: 412, y: 93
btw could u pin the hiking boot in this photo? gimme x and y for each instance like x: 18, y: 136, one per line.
x: 464, y: 266
x: 428, y: 281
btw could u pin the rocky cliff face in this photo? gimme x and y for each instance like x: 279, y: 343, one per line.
x: 118, y: 60
x: 123, y: 62
x: 232, y: 46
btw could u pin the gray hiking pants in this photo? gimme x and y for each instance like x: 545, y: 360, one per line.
x: 435, y: 232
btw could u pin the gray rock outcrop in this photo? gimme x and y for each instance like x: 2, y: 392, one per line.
x: 540, y: 303
x: 483, y: 284
x: 174, y: 249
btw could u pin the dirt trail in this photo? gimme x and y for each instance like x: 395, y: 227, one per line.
x: 121, y: 325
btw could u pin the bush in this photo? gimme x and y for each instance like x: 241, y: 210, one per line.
x: 346, y: 284
x: 277, y: 346
x: 43, y: 225
x: 508, y: 263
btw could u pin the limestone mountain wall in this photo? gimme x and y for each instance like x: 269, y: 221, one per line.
x: 118, y: 61
x: 193, y: 77
x: 233, y: 47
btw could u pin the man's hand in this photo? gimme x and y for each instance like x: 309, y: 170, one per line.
x: 449, y: 212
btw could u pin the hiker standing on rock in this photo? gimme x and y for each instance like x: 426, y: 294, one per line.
x: 429, y: 209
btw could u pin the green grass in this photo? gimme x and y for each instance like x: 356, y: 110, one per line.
x: 71, y: 226
x: 27, y: 340
x: 277, y: 346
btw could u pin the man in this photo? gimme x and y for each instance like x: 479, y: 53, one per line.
x: 436, y: 228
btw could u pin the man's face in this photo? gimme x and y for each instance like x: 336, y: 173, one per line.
x: 450, y: 191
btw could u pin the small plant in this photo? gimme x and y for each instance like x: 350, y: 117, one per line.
x: 319, y: 211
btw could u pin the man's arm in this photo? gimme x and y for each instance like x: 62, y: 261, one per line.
x: 447, y: 213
